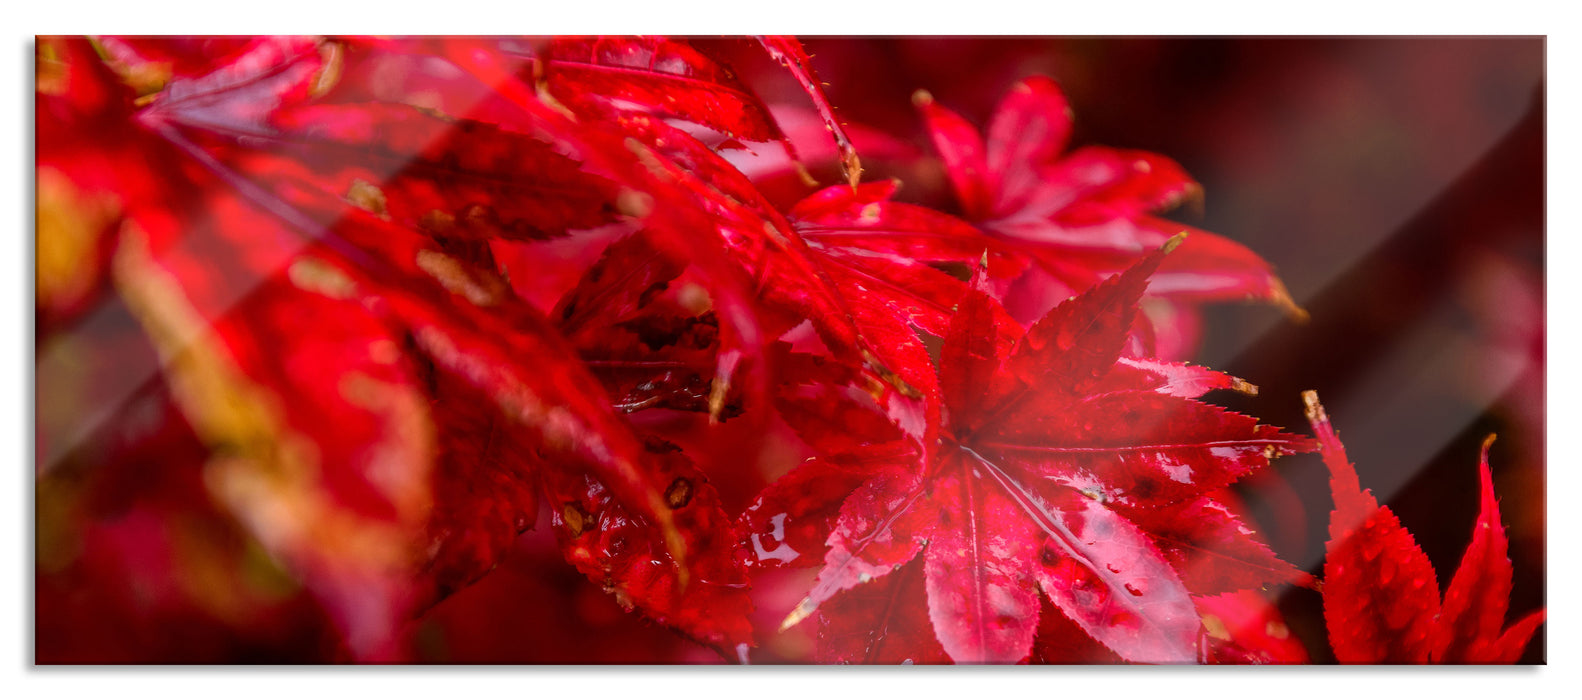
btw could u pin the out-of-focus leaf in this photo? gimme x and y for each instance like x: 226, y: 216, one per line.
x: 1085, y: 215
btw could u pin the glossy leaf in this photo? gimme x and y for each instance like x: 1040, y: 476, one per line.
x: 789, y: 52
x: 1213, y: 549
x: 1004, y: 500
x: 612, y: 545
x: 659, y: 74
x: 876, y: 247
x: 1381, y: 596
x: 885, y: 622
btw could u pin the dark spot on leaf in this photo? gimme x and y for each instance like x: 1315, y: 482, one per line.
x: 680, y: 493
x: 1049, y: 556
x: 659, y: 445
x: 576, y: 520
x: 654, y: 290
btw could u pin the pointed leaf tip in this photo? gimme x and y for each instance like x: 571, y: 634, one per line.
x: 1281, y: 297
x: 853, y: 165
x: 799, y: 613
x: 1174, y: 242
x: 803, y: 174
x: 718, y: 391
x: 790, y: 54
x: 1315, y: 410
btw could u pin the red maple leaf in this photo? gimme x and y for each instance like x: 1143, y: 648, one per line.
x: 1043, y: 475
x: 1084, y: 215
x: 1381, y: 595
